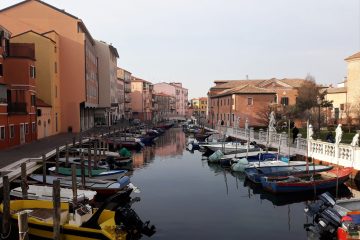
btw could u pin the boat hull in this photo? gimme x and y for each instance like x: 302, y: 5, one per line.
x: 288, y: 187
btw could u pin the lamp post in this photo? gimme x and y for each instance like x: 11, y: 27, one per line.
x: 319, y: 117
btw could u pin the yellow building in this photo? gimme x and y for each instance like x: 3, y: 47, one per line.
x: 47, y: 75
x: 353, y: 78
x: 338, y: 113
x: 203, y: 105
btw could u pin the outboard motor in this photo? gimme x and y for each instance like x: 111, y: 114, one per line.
x: 326, y: 219
x: 132, y: 224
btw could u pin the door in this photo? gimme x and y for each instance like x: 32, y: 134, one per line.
x: 22, y: 133
x: 45, y: 129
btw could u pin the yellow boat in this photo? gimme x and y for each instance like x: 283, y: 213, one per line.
x: 40, y: 221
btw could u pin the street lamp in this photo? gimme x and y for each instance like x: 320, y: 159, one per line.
x: 319, y: 120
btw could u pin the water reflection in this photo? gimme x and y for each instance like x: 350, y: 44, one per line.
x: 171, y: 144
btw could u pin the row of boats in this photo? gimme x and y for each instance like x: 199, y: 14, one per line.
x: 274, y: 172
x: 82, y: 215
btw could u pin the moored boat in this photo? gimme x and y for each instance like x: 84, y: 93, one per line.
x: 102, y: 187
x: 307, y: 182
x: 255, y: 174
x: 95, y: 173
x: 243, y: 164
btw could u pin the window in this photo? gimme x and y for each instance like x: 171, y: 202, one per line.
x: 55, y: 67
x: 1, y: 70
x: 2, y: 132
x: 56, y: 94
x: 342, y: 107
x: 33, y: 100
x: 250, y: 101
x: 26, y: 128
x: 12, y: 131
x: 228, y: 101
x: 275, y: 99
x: 33, y: 127
x: 285, y: 101
x: 32, y: 72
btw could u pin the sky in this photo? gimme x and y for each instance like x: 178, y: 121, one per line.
x: 198, y: 41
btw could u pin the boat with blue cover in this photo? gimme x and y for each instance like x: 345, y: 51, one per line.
x: 255, y: 174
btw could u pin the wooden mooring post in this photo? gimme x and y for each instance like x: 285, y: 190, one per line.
x: 95, y: 154
x: 66, y: 155
x: 24, y: 185
x: 74, y: 183
x: 23, y: 225
x: 44, y: 168
x: 57, y: 160
x: 73, y: 141
x: 82, y: 171
x: 6, y: 207
x: 57, y: 208
x: 89, y: 161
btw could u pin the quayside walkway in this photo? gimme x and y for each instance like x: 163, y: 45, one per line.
x: 339, y: 154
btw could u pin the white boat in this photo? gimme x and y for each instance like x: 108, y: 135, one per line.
x: 101, y: 152
x: 36, y: 192
x: 243, y: 164
x: 230, y: 147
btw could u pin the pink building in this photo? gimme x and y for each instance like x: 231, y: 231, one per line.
x: 179, y: 92
x: 141, y: 99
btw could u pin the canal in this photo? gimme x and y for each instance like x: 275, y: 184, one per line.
x: 186, y: 198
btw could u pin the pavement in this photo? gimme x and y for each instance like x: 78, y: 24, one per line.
x: 42, y: 146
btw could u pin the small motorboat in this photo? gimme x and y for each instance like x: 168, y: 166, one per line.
x: 255, y: 174
x: 243, y: 164
x: 80, y: 221
x: 102, y: 187
x: 35, y: 192
x: 306, y: 182
x: 95, y: 173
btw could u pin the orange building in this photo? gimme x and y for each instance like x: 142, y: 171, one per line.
x: 141, y: 99
x: 17, y: 92
x: 78, y: 61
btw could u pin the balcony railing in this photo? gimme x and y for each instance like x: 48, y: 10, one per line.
x: 17, y: 108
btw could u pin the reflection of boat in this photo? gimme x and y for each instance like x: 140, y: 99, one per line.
x: 255, y: 174
x: 102, y: 187
x: 308, y: 182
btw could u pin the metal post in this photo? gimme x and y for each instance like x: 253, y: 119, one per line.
x: 6, y: 205
x: 57, y: 160
x: 24, y: 185
x: 57, y: 209
x: 44, y: 168
x: 23, y: 225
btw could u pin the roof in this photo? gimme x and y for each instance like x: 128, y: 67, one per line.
x: 136, y: 79
x: 354, y: 56
x: 80, y: 22
x: 203, y: 98
x: 245, y: 89
x: 336, y: 90
x: 41, y: 103
x: 31, y: 31
x: 226, y: 84
x: 162, y: 94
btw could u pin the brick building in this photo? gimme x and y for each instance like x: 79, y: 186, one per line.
x: 17, y: 92
x: 246, y: 99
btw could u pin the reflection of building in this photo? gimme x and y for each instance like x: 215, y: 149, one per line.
x: 17, y: 92
x: 144, y: 157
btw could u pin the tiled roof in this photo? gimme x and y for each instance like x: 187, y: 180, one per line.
x: 41, y: 103
x: 354, y: 56
x: 245, y: 89
x: 336, y: 90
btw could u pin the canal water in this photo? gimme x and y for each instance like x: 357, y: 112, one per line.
x: 186, y: 198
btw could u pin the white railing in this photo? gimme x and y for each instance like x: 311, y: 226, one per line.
x: 342, y: 154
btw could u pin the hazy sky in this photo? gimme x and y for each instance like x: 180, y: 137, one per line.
x: 198, y: 41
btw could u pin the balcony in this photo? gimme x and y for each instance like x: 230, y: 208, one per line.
x: 127, y: 99
x: 17, y: 108
x: 127, y: 90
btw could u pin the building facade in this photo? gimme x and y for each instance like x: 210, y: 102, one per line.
x: 47, y: 75
x: 141, y: 99
x: 242, y: 101
x: 78, y: 61
x: 163, y: 107
x: 17, y: 92
x: 108, y: 110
